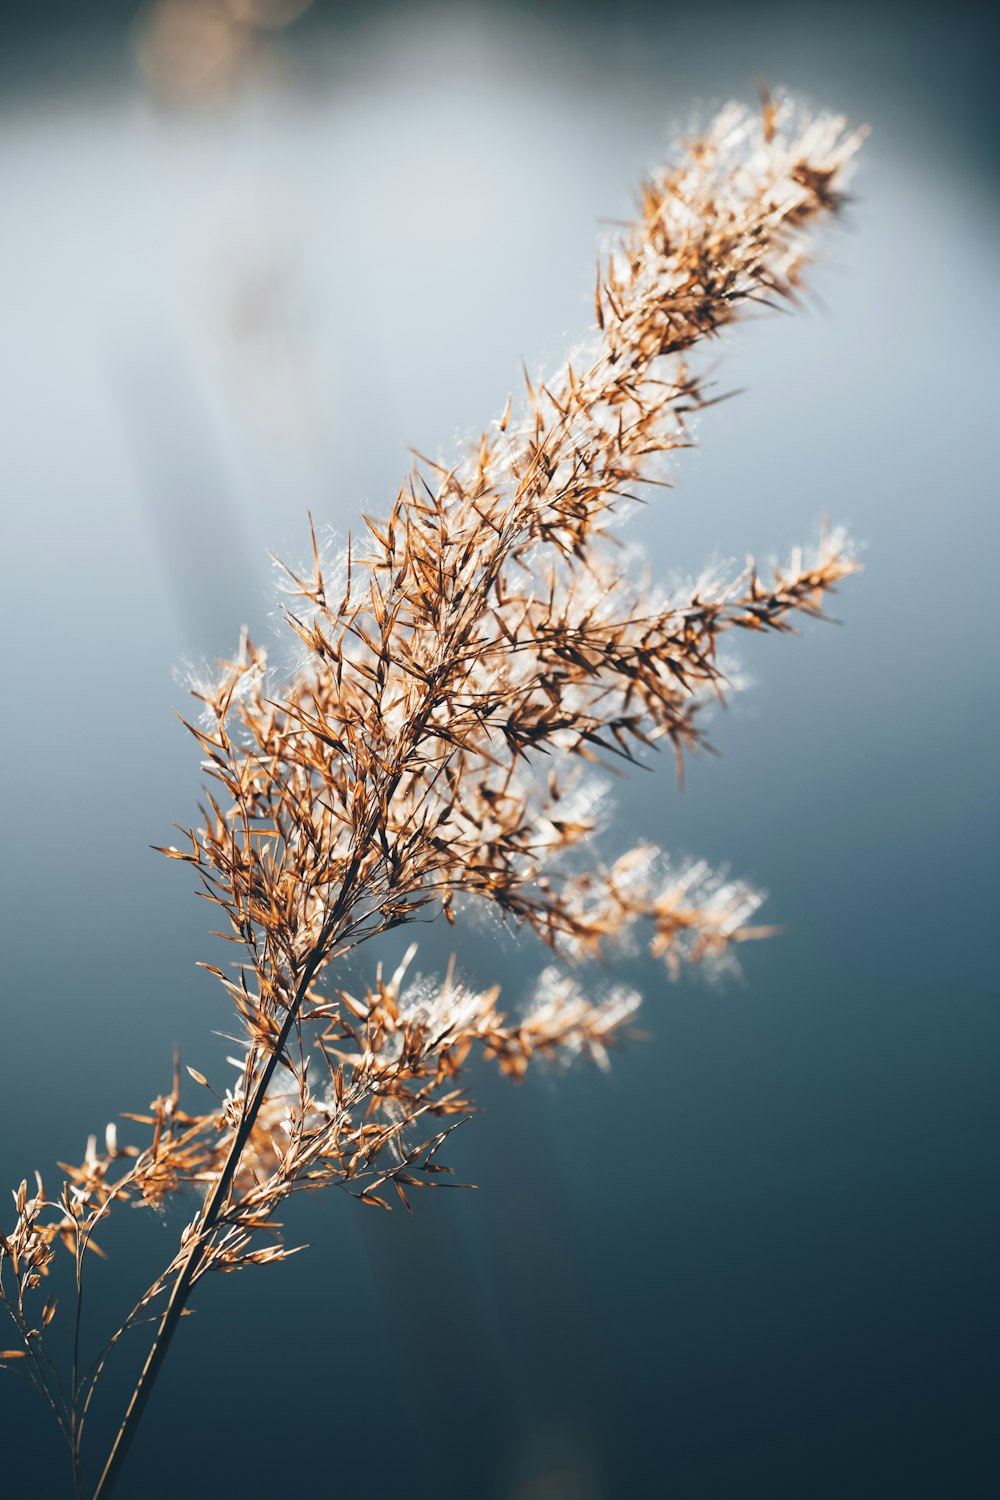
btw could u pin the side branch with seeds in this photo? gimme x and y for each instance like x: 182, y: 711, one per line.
x: 486, y: 623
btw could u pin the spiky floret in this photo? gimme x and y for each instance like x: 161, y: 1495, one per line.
x: 477, y: 646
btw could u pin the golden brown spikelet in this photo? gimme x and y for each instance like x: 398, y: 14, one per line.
x: 461, y: 665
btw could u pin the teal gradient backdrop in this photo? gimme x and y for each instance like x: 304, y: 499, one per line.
x: 759, y: 1257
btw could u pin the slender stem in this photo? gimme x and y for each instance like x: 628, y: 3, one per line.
x: 74, y: 1414
x: 210, y: 1213
x: 36, y: 1362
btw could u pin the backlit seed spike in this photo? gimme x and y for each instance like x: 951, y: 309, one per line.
x: 431, y: 752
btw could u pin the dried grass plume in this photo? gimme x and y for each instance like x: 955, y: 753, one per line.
x: 463, y: 662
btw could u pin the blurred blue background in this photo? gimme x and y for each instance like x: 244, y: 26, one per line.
x: 251, y: 255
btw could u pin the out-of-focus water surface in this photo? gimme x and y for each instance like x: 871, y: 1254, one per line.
x: 759, y: 1256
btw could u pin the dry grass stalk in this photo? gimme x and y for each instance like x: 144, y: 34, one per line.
x: 485, y: 622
